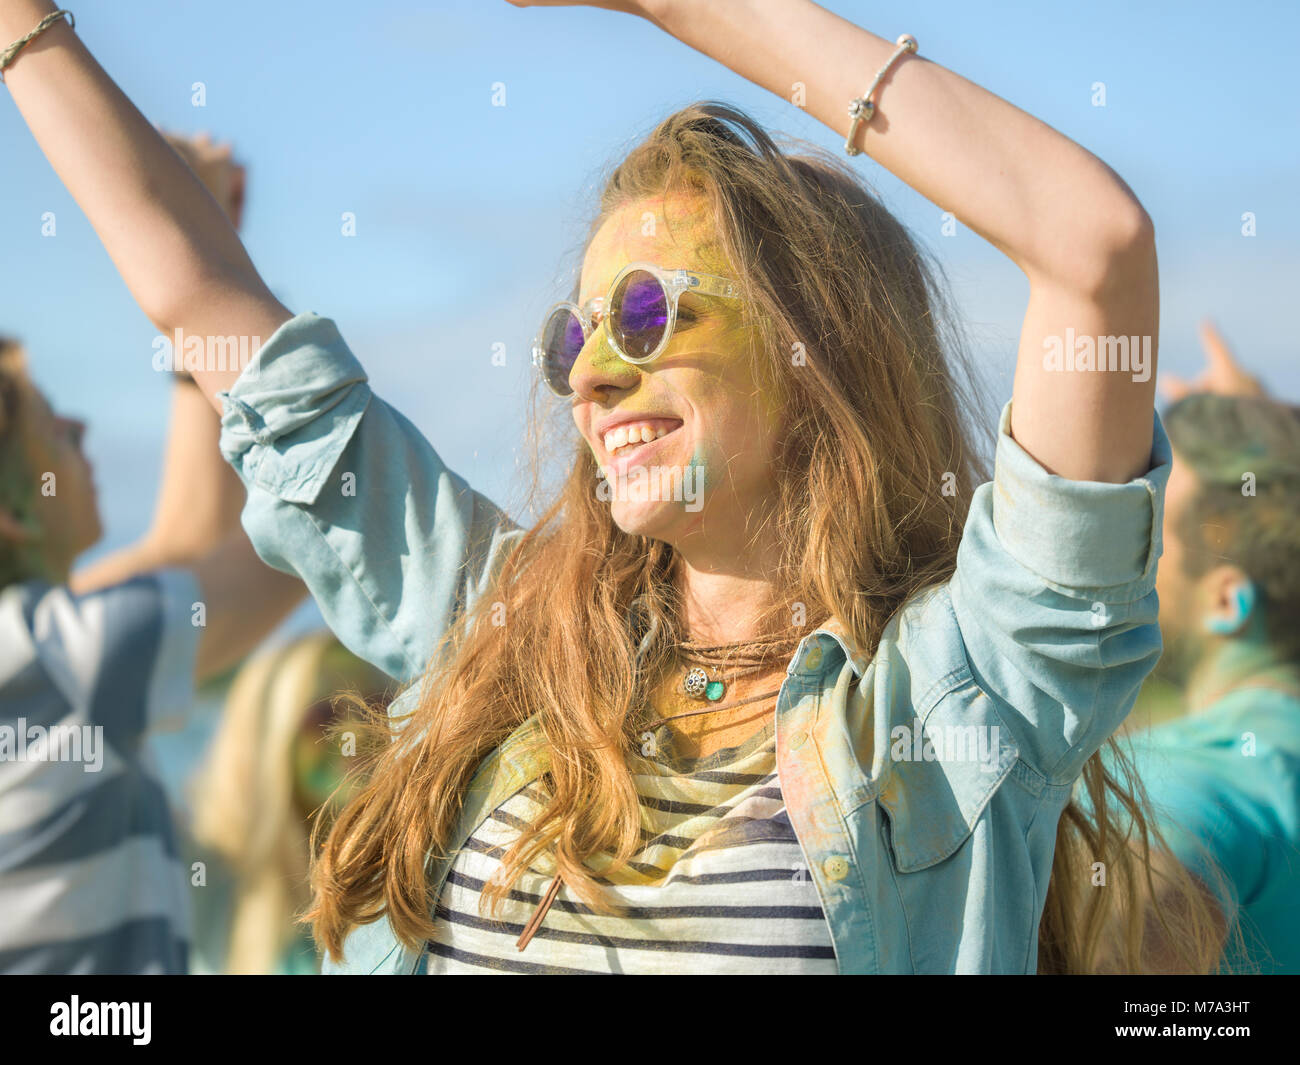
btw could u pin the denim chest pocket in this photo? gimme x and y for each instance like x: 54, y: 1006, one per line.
x: 943, y: 768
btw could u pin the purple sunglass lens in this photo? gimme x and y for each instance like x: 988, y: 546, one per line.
x: 562, y: 342
x: 638, y: 314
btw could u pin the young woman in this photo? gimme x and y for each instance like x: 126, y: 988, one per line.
x: 272, y: 766
x: 771, y: 687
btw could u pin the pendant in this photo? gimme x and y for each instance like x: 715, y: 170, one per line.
x: 698, y: 686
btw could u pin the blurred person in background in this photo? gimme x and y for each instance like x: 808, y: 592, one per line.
x: 1223, y: 777
x: 91, y: 880
x: 278, y: 762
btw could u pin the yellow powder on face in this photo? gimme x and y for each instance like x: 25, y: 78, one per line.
x: 674, y: 231
x: 714, y: 362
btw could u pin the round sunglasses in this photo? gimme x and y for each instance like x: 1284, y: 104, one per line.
x: 640, y: 311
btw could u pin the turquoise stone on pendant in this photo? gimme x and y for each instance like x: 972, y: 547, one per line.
x: 714, y: 691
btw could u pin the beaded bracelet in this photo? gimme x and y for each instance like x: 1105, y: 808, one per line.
x: 862, y: 109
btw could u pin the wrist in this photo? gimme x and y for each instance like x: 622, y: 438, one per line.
x: 19, y: 17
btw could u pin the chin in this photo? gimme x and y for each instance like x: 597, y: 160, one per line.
x: 655, y: 520
x: 94, y: 533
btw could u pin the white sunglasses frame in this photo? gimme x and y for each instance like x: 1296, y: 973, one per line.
x: 674, y: 283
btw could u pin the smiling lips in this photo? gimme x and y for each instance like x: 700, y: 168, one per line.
x: 627, y: 436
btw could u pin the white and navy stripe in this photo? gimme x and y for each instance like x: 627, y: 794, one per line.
x: 718, y: 886
x: 90, y: 877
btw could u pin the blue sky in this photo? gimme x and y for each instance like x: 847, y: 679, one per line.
x: 468, y: 215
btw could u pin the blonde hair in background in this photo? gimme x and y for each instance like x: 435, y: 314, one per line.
x: 244, y: 808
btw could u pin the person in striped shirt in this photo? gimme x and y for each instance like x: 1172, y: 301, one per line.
x: 91, y: 877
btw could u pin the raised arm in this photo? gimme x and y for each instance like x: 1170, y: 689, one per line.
x: 342, y: 491
x: 172, y: 243
x: 199, y: 499
x: 199, y: 495
x: 1057, y: 211
x: 243, y: 601
x: 196, y: 527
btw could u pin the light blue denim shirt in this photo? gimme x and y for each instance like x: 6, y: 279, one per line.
x: 924, y: 782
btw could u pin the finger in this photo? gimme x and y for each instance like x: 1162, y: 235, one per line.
x: 1216, y: 348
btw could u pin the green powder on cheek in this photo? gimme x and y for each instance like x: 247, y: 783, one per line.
x: 696, y: 478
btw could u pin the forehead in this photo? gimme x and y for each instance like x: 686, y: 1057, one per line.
x: 675, y: 231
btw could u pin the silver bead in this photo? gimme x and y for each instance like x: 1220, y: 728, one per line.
x: 695, y: 683
x: 862, y: 109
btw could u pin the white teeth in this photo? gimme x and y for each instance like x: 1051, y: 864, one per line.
x: 632, y: 434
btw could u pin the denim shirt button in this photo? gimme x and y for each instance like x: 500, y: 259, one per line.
x: 798, y: 740
x: 836, y: 867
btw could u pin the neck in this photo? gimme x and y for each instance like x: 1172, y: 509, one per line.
x: 1235, y: 663
x: 724, y: 605
x: 32, y: 566
x: 727, y: 576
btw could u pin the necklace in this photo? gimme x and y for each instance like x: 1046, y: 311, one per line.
x: 747, y: 657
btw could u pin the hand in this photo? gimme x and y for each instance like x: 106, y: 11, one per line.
x: 1223, y: 375
x: 214, y: 166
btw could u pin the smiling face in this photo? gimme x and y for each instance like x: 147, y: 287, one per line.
x: 687, y: 441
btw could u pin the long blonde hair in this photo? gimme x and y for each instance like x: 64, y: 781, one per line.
x: 872, y: 486
x: 243, y: 796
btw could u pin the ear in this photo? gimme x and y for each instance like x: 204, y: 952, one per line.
x: 14, y: 529
x: 1230, y: 600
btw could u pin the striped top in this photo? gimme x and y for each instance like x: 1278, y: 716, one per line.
x: 90, y: 877
x: 719, y: 885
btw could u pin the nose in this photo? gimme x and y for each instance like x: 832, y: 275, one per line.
x: 76, y: 430
x: 598, y: 371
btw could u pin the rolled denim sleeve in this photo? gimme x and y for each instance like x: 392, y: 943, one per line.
x: 345, y: 492
x: 1054, y: 593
